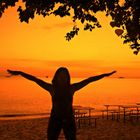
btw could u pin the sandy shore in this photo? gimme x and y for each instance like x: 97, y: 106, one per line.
x: 35, y: 129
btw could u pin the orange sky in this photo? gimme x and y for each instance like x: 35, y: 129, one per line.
x: 40, y: 48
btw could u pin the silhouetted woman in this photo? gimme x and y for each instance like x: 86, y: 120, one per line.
x: 62, y: 91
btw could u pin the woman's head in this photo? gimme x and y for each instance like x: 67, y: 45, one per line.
x: 61, y: 77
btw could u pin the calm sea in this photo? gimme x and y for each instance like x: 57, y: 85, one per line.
x: 20, y: 96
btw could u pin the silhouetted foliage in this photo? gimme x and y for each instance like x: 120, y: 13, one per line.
x: 125, y: 17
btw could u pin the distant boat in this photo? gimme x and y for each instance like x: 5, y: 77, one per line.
x: 121, y: 77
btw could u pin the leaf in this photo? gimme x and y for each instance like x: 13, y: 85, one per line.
x: 135, y: 52
x: 112, y: 24
x: 119, y: 32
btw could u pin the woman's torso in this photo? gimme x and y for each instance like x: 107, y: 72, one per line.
x: 62, y: 100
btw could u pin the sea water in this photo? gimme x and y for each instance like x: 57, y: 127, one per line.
x: 21, y: 96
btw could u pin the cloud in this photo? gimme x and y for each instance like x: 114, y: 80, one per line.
x: 135, y: 62
x: 77, y: 68
x: 69, y: 63
x: 58, y: 25
x: 3, y: 73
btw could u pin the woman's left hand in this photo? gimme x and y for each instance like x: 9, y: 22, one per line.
x: 13, y: 72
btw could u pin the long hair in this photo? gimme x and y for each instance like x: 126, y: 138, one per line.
x: 61, y: 78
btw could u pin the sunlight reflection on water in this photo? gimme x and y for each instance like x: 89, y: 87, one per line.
x: 18, y: 95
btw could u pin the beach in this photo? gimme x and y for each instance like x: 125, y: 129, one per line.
x: 36, y: 129
x: 33, y: 100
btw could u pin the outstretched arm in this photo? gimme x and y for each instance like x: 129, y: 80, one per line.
x: 79, y: 85
x: 41, y: 83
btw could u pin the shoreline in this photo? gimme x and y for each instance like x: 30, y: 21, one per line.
x: 23, y: 116
x: 36, y: 129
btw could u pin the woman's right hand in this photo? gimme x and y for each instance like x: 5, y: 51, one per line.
x: 12, y: 72
x: 108, y: 74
